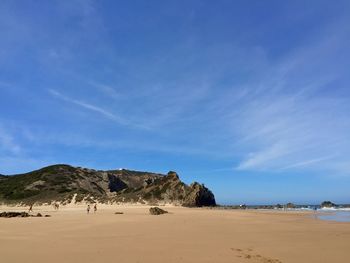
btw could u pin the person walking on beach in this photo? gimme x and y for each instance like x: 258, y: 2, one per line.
x: 56, y: 206
x: 88, y: 209
x: 30, y: 208
x: 95, y: 208
x: 315, y: 212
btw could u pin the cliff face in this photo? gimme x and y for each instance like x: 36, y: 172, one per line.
x: 170, y: 189
x: 199, y: 195
x: 63, y: 182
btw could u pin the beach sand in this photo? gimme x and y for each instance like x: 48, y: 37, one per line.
x: 183, y: 235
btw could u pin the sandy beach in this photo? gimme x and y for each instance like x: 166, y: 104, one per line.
x: 183, y: 235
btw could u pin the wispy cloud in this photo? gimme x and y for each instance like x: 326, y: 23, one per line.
x: 294, y: 120
x: 4, y: 84
x: 293, y: 132
x: 284, y: 132
x: 7, y: 142
x: 106, y: 89
x: 308, y: 162
x: 259, y: 159
x: 107, y: 114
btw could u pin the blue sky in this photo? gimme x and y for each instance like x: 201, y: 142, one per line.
x: 251, y: 98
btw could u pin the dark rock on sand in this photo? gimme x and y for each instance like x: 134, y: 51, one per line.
x: 157, y: 211
x: 14, y: 214
x: 19, y: 214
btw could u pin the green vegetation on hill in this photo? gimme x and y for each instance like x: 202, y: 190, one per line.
x: 53, y: 178
x: 61, y: 182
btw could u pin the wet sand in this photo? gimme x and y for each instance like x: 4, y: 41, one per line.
x: 183, y: 235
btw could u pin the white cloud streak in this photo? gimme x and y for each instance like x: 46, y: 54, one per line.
x: 106, y: 89
x: 99, y: 110
x: 7, y: 142
x: 105, y: 113
x: 295, y: 120
x: 284, y: 132
x: 308, y: 162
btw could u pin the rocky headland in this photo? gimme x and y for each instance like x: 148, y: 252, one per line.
x: 67, y: 184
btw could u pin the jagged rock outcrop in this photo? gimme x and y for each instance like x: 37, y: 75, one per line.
x: 170, y: 189
x: 65, y: 183
x: 328, y: 204
x: 199, y: 195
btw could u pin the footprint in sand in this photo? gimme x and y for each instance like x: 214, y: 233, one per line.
x: 252, y: 257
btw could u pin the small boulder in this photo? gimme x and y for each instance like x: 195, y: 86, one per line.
x: 157, y: 211
x: 118, y: 213
x: 39, y: 215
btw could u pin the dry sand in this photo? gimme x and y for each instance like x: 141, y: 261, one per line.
x: 184, y: 235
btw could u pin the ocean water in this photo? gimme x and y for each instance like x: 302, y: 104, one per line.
x: 333, y: 215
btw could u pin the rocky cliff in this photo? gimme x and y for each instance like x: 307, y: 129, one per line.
x: 66, y: 183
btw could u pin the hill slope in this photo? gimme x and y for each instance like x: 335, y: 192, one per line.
x: 63, y: 182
